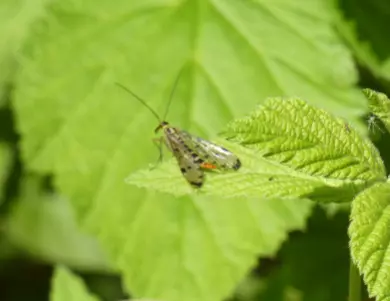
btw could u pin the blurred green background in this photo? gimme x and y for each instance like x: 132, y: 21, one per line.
x: 71, y: 229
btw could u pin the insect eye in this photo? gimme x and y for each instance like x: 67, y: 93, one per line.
x: 160, y: 126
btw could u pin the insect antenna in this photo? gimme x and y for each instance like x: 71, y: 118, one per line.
x: 173, y: 92
x: 141, y: 100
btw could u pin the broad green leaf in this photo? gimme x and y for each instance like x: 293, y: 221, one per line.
x: 16, y: 17
x: 361, y: 24
x: 44, y: 226
x: 310, y: 140
x: 77, y: 124
x: 258, y: 178
x: 67, y: 286
x: 273, y: 41
x: 5, y: 163
x: 369, y: 238
x: 206, y: 244
x: 291, y: 150
x: 379, y: 105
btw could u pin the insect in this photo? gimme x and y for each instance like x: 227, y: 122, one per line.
x: 193, y: 154
x: 373, y: 123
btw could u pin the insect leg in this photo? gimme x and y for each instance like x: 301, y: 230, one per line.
x: 158, y: 143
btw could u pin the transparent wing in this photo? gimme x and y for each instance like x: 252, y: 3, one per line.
x: 188, y: 161
x: 211, y: 153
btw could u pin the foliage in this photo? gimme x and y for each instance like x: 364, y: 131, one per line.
x: 291, y: 150
x: 327, y: 238
x: 16, y: 18
x: 5, y: 160
x: 43, y: 225
x: 68, y: 287
x: 370, y: 238
x: 278, y: 80
x: 361, y: 24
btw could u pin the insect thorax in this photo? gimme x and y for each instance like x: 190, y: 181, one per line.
x: 168, y: 130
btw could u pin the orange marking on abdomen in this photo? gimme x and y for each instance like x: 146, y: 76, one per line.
x: 208, y: 165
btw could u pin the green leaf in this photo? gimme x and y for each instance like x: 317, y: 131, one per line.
x: 310, y: 140
x: 379, y: 105
x: 44, y: 226
x: 66, y: 286
x: 292, y: 150
x: 286, y: 65
x: 5, y: 164
x: 369, y: 238
x: 361, y: 23
x: 16, y: 17
x: 78, y: 125
x: 207, y: 244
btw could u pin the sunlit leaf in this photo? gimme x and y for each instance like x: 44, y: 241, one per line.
x: 309, y: 140
x: 77, y: 124
x: 16, y: 17
x: 67, y: 286
x: 44, y: 226
x: 291, y: 150
x: 379, y: 105
x: 370, y: 238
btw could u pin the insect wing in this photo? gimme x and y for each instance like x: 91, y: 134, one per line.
x: 187, y: 160
x: 190, y: 170
x: 212, y: 153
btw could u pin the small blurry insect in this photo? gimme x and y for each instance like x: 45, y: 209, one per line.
x: 193, y: 154
x: 373, y: 123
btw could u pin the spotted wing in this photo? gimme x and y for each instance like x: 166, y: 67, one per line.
x: 189, y: 162
x: 211, y: 153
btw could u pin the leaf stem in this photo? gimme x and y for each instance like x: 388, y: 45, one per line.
x: 354, y: 283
